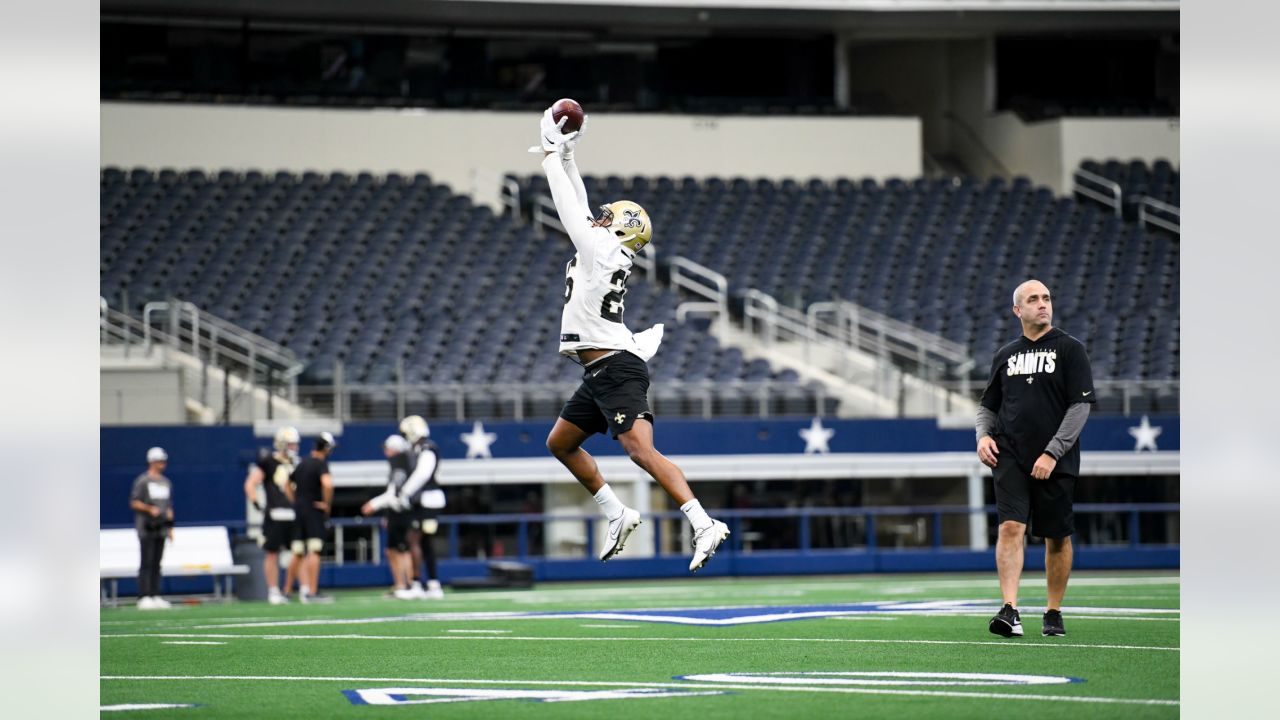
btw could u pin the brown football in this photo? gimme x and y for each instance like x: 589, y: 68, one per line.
x: 570, y: 108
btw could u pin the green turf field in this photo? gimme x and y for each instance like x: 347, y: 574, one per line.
x: 872, y: 646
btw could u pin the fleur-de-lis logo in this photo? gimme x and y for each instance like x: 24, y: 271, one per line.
x: 631, y: 218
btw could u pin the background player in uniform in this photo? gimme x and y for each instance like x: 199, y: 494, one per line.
x: 1029, y: 424
x: 423, y: 496
x: 151, y: 500
x: 400, y: 464
x: 613, y: 396
x: 313, y: 493
x: 273, y: 472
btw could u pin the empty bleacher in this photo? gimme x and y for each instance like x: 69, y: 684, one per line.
x: 388, y: 273
x: 943, y: 255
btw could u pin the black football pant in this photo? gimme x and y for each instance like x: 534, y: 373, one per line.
x: 149, y: 570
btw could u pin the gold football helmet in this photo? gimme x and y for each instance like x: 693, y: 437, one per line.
x: 628, y: 222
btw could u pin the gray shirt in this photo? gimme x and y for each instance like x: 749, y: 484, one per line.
x: 156, y: 491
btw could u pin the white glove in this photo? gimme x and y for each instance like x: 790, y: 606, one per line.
x: 552, y: 139
x: 571, y: 141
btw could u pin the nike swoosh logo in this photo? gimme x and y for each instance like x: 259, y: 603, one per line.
x: 596, y: 373
x: 1087, y: 394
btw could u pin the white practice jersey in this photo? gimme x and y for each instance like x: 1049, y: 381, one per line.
x: 595, y: 285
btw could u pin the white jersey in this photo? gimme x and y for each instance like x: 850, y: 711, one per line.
x: 595, y: 285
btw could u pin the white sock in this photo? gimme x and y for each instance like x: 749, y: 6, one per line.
x: 609, y: 503
x: 697, y: 516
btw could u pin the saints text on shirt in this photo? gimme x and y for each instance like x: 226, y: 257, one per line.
x: 1031, y: 362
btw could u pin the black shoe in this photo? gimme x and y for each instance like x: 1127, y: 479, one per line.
x: 1053, y: 624
x: 1006, y: 623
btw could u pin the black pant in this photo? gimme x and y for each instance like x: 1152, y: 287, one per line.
x: 149, y: 571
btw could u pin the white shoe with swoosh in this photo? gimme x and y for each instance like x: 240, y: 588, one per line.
x: 620, y: 529
x: 705, y: 543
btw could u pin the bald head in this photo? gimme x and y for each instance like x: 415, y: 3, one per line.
x: 1033, y: 306
x: 1025, y: 288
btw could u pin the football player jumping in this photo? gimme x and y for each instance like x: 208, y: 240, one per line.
x: 613, y: 395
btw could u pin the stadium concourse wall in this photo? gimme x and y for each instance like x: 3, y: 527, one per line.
x: 471, y: 150
x: 208, y: 465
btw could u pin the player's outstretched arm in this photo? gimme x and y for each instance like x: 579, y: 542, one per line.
x: 573, y: 210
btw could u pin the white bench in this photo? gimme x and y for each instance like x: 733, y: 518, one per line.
x: 194, y: 551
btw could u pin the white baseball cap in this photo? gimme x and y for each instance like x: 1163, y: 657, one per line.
x: 396, y: 443
x: 157, y: 454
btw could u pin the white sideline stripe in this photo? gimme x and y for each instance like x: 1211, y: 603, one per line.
x: 482, y: 632
x: 685, y: 685
x: 142, y: 706
x: 478, y: 638
x: 192, y: 642
x: 632, y: 626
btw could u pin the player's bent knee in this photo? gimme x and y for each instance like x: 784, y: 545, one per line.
x: 1013, y: 528
x: 315, y: 545
x: 430, y: 526
x: 298, y: 547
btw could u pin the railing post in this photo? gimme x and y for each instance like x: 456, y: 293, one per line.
x: 804, y: 530
x: 522, y: 539
x: 871, y: 531
x: 453, y: 541
x: 1133, y: 529
x: 339, y: 409
x: 400, y: 399
x: 338, y: 545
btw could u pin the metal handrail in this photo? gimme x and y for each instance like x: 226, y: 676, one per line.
x: 704, y: 282
x: 338, y: 396
x: 222, y: 338
x: 1114, y: 200
x: 1145, y: 216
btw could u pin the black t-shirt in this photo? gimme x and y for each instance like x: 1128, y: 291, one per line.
x: 306, y: 482
x: 1032, y: 384
x: 275, y: 474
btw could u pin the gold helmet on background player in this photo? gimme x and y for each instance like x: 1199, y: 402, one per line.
x: 287, y: 440
x: 628, y: 222
x: 414, y: 428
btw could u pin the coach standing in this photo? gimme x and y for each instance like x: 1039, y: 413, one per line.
x: 1029, y: 424
x: 152, y: 504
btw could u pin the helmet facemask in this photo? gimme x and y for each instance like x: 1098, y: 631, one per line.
x: 628, y: 222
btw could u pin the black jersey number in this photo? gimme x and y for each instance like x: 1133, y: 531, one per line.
x: 611, y: 308
x: 568, y: 279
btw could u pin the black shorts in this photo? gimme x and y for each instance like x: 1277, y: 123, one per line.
x: 310, y: 524
x: 614, y: 392
x: 398, y: 526
x: 276, y: 534
x: 1045, y: 505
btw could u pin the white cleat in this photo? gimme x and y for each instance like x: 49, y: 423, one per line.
x: 418, y: 592
x: 275, y: 597
x: 705, y: 543
x: 147, y: 603
x: 433, y: 591
x: 405, y: 594
x: 159, y: 603
x: 620, y: 529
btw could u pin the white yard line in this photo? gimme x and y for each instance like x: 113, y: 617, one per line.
x: 482, y: 632
x: 482, y: 638
x: 192, y: 642
x: 685, y: 685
